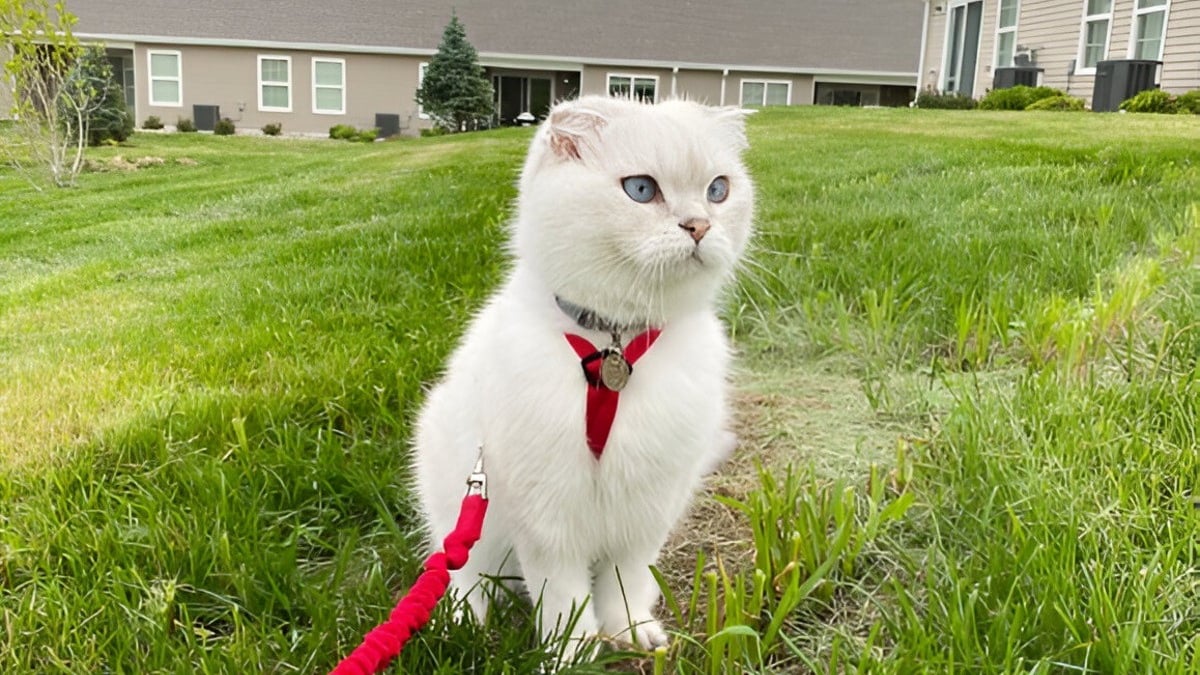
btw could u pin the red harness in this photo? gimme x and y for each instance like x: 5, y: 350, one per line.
x: 602, y: 401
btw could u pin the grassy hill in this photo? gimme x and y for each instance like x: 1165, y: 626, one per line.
x: 209, y: 364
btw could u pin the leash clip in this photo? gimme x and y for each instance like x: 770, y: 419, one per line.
x: 477, y: 481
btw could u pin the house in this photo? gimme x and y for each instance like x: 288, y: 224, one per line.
x: 310, y: 64
x: 966, y: 40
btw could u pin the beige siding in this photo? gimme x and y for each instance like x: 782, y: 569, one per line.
x: 1181, y: 51
x: 703, y: 86
x: 935, y: 48
x: 228, y: 77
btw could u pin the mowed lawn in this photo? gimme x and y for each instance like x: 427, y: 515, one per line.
x: 209, y: 367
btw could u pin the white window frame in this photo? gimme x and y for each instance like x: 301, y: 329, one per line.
x: 633, y: 78
x: 752, y: 80
x: 323, y: 59
x: 1080, y: 68
x: 288, y: 84
x: 1001, y: 30
x: 1133, y: 26
x: 151, y: 78
x: 421, y: 68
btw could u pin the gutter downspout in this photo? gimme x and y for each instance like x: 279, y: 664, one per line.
x: 674, y: 74
x: 924, y: 46
x: 724, y: 75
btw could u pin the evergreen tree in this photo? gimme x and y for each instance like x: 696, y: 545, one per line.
x: 455, y: 91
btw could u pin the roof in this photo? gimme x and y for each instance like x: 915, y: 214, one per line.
x: 851, y: 35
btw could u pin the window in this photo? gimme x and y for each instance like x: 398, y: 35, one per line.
x: 166, y: 80
x: 962, y: 47
x: 329, y: 86
x: 1006, y: 33
x: 637, y: 87
x: 1097, y: 22
x: 1149, y: 29
x: 421, y: 80
x: 275, y: 83
x: 766, y: 92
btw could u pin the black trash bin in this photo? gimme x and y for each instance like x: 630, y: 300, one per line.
x: 1119, y: 80
x: 205, y: 117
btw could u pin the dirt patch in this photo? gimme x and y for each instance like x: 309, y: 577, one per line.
x: 120, y: 163
x: 800, y: 415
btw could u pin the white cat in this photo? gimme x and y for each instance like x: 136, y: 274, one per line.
x: 629, y: 216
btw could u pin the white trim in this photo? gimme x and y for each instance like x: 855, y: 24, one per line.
x: 920, y: 57
x: 490, y: 59
x: 944, y: 75
x: 315, y: 109
x: 742, y: 90
x: 420, y: 79
x: 1133, y: 26
x: 150, y: 77
x: 633, y: 78
x: 1081, y: 54
x: 288, y: 83
x: 724, y: 77
x: 1005, y: 29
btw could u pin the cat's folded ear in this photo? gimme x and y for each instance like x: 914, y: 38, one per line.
x: 731, y: 121
x: 573, y: 127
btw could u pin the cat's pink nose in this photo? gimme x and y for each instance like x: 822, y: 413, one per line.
x: 697, y: 227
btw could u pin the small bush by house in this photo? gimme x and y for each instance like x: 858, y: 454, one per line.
x: 224, y: 127
x: 185, y: 125
x: 1019, y: 97
x: 1188, y: 103
x: 342, y: 132
x: 1060, y: 103
x: 1150, y: 101
x: 346, y: 132
x: 272, y: 129
x: 152, y: 122
x: 952, y: 101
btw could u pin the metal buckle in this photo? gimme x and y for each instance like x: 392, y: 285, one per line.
x: 477, y: 481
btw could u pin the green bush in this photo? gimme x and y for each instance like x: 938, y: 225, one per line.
x: 185, y: 125
x: 1062, y: 103
x: 1189, y: 102
x: 1019, y: 97
x: 366, y: 136
x: 224, y: 127
x: 433, y: 131
x: 342, y: 132
x: 152, y: 122
x: 272, y: 129
x: 953, y: 101
x: 1150, y: 101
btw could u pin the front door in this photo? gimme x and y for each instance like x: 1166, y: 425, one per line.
x: 962, y: 47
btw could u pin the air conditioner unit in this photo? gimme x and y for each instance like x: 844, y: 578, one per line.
x: 1023, y: 57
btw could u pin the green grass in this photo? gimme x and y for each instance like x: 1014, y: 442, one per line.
x: 208, y: 373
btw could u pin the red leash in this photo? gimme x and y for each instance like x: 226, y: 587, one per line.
x: 412, y: 612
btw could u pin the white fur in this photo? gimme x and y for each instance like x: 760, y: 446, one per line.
x: 558, y: 517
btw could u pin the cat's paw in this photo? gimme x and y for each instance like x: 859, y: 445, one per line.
x: 650, y: 635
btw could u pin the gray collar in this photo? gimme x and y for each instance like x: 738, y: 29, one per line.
x: 590, y: 320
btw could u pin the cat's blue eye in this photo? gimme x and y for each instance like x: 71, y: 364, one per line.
x: 718, y: 190
x: 641, y: 189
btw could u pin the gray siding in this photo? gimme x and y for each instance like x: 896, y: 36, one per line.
x: 228, y: 77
